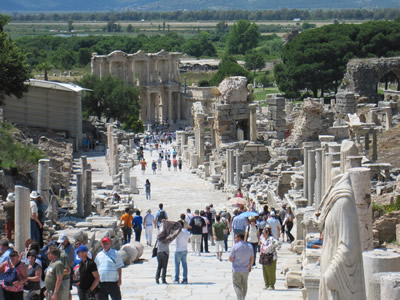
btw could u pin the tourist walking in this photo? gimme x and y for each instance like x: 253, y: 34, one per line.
x: 109, y: 265
x: 282, y: 214
x: 89, y: 276
x: 218, y: 234
x: 239, y: 224
x: 148, y: 225
x: 268, y: 258
x: 196, y: 228
x: 161, y: 215
x: 275, y: 224
x: 175, y: 164
x: 143, y: 164
x: 159, y: 162
x: 204, y: 234
x: 54, y: 276
x: 180, y: 164
x: 169, y: 164
x: 35, y: 222
x: 9, y: 210
x: 288, y: 222
x: 154, y: 167
x: 34, y: 275
x: 42, y: 208
x: 252, y: 236
x: 147, y: 187
x: 162, y: 259
x: 137, y: 225
x: 126, y: 225
x: 181, y: 243
x: 241, y: 257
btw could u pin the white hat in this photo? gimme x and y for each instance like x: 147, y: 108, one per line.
x: 62, y: 238
x: 34, y: 195
x: 272, y: 213
x: 10, y: 197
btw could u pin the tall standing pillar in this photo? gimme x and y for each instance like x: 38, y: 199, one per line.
x: 126, y: 176
x: 253, y: 122
x: 88, y: 193
x: 361, y: 183
x: 311, y: 176
x: 374, y: 146
x: 22, y: 217
x: 306, y: 178
x: 388, y: 115
x: 116, y: 165
x: 238, y: 169
x: 318, y: 177
x: 228, y: 162
x: 44, y: 180
x: 80, y: 201
x: 83, y: 169
x: 148, y: 99
x: 199, y: 131
x: 231, y: 167
x: 179, y: 117
x: 170, y: 118
x: 210, y: 121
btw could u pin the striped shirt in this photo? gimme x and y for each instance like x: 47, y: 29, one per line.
x: 108, y: 264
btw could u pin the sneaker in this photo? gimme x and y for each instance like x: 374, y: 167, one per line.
x: 184, y: 282
x: 175, y: 281
x: 164, y: 282
x: 157, y: 281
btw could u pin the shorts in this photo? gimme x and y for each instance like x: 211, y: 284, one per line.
x: 219, y: 245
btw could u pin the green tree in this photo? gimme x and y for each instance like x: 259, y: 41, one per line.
x: 129, y: 28
x: 70, y: 26
x: 254, y: 61
x: 221, y: 27
x: 200, y: 45
x: 45, y: 67
x: 14, y: 70
x: 228, y: 67
x: 243, y: 36
x: 112, y: 98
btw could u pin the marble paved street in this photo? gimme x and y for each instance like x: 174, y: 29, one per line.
x: 208, y: 278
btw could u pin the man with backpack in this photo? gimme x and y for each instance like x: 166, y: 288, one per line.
x: 161, y: 215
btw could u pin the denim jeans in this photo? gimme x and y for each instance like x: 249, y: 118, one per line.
x: 226, y: 236
x: 35, y: 233
x: 127, y: 235
x: 181, y: 257
x: 162, y: 259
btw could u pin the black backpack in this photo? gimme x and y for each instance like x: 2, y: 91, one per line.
x: 11, y: 275
x: 161, y: 216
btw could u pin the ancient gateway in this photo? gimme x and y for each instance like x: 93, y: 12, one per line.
x: 363, y: 75
x: 157, y: 75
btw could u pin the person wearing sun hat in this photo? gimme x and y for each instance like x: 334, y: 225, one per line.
x: 109, y: 265
x: 9, y: 210
x: 35, y: 222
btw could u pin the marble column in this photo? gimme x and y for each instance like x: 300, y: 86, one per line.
x: 348, y: 148
x: 79, y: 195
x: 116, y: 165
x: 390, y: 286
x: 231, y: 167
x: 253, y: 122
x: 83, y: 169
x: 22, y: 217
x: 210, y: 121
x: 170, y: 115
x: 306, y: 178
x: 361, y: 183
x: 311, y: 176
x: 318, y: 177
x: 44, y: 180
x: 179, y: 117
x: 238, y: 169
x: 88, y: 193
x: 200, y: 137
x: 148, y: 98
x: 374, y: 146
x: 228, y: 163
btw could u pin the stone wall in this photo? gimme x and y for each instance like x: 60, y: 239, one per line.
x: 385, y: 227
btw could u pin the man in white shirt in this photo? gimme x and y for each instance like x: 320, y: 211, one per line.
x: 181, y: 243
x: 275, y: 225
x: 35, y: 222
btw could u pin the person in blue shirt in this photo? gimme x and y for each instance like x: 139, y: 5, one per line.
x: 317, y: 244
x: 137, y: 225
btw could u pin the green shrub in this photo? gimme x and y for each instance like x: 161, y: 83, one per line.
x: 15, y: 155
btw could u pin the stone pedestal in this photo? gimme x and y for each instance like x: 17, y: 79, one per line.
x: 22, y: 217
x: 388, y: 118
x: 390, y: 286
x: 352, y: 162
x: 206, y: 169
x: 253, y: 122
x: 44, y: 180
x: 377, y: 261
x: 361, y: 183
x: 88, y: 193
x: 133, y: 183
x: 80, y: 201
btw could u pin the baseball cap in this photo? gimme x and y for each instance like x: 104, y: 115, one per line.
x: 62, y: 238
x: 106, y: 240
x: 82, y: 248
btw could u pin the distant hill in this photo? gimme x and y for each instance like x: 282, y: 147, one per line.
x: 169, y: 5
